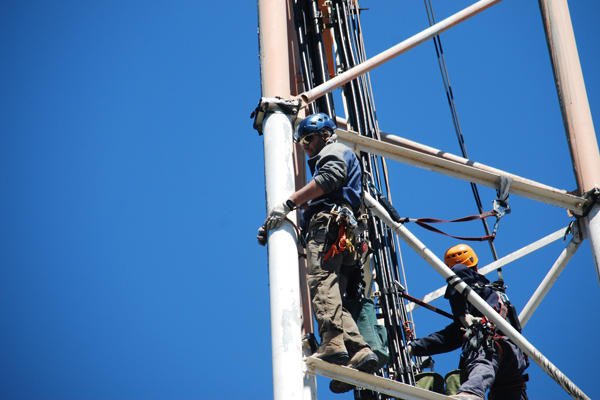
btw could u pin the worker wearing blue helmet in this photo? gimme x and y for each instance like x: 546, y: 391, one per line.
x: 336, y: 182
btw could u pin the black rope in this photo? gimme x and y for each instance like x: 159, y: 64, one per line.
x: 426, y: 305
x: 461, y: 141
x: 361, y: 117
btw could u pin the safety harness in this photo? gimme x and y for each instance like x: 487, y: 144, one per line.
x: 505, y: 308
x: 484, y: 335
x: 483, y: 332
x: 510, y: 383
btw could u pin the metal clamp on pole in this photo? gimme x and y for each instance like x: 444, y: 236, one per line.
x: 276, y: 104
x: 592, y: 198
x: 501, y: 206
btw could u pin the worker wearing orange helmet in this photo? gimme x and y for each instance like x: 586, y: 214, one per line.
x: 490, y: 360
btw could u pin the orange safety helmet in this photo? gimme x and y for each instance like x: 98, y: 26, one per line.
x: 461, y: 254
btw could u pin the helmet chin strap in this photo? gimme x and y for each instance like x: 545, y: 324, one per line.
x: 332, y: 138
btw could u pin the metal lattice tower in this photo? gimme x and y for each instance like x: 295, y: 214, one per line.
x: 308, y: 48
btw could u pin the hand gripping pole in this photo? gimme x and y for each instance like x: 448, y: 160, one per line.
x: 473, y: 298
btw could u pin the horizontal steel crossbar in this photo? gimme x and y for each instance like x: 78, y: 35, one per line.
x: 553, y: 237
x: 372, y: 382
x: 467, y: 171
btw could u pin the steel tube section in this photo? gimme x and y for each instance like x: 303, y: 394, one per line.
x: 474, y: 299
x: 392, y: 139
x: 548, y: 281
x: 575, y: 109
x: 284, y: 281
x: 592, y: 225
x: 353, y: 73
x: 572, y: 94
x: 273, y: 52
x: 382, y: 385
x: 553, y: 237
x: 284, y: 277
x: 466, y: 171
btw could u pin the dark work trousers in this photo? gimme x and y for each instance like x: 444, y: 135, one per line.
x: 485, y: 368
x: 327, y: 281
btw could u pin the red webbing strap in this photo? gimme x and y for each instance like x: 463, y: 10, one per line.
x: 424, y: 223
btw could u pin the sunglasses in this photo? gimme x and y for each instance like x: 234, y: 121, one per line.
x: 306, y: 139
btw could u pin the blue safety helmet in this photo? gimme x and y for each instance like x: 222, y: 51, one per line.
x: 319, y: 124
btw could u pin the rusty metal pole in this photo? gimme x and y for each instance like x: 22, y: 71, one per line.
x: 575, y: 110
x: 284, y: 281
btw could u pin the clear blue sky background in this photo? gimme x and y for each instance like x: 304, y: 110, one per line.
x: 132, y: 186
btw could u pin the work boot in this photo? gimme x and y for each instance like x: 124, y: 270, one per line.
x: 340, y: 387
x: 332, y: 348
x: 466, y: 396
x: 365, y: 361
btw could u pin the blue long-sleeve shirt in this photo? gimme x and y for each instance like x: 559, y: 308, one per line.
x: 337, y: 171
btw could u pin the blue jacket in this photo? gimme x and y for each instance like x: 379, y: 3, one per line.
x: 337, y: 171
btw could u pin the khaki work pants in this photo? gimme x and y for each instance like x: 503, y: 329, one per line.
x: 327, y: 281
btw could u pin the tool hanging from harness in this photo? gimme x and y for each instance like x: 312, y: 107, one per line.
x: 345, y: 235
x: 479, y: 335
x: 500, y: 209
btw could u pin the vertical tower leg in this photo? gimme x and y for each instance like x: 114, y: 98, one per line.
x: 284, y: 285
x: 575, y: 109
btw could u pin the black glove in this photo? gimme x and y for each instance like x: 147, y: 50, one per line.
x: 262, y: 235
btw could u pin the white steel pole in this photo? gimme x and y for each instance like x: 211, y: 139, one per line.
x: 284, y: 281
x: 548, y: 281
x: 474, y: 299
x: 575, y: 109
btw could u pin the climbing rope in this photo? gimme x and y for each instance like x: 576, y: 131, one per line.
x: 409, y: 331
x: 461, y: 141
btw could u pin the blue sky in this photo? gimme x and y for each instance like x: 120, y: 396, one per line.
x: 132, y: 185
